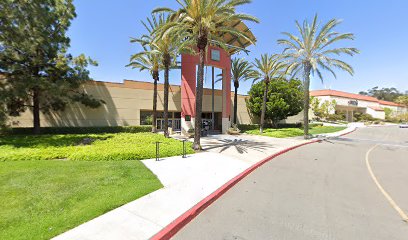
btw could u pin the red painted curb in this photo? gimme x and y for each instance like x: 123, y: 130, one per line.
x: 175, y: 226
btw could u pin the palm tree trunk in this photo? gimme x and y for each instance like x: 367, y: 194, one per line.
x: 235, y: 103
x: 36, y: 111
x: 166, y: 100
x: 212, y: 99
x: 306, y: 86
x: 154, y: 117
x: 265, y: 98
x: 199, y: 101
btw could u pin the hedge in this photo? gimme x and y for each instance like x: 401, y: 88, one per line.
x: 82, y: 130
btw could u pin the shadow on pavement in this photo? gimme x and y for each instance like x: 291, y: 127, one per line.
x: 240, y: 145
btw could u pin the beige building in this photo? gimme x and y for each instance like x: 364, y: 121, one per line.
x: 351, y: 103
x: 130, y: 103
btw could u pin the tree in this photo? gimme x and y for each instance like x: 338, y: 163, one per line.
x: 388, y: 113
x: 167, y: 46
x: 312, y: 52
x: 40, y: 74
x: 403, y: 100
x: 284, y: 99
x: 3, y: 111
x: 148, y: 60
x: 267, y: 68
x: 241, y: 70
x: 202, y: 22
x: 386, y: 94
x: 322, y: 110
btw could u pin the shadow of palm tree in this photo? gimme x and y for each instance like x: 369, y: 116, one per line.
x: 240, y: 145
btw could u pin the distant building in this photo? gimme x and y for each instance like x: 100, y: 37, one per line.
x: 351, y: 103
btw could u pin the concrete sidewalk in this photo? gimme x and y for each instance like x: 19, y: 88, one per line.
x: 186, y: 182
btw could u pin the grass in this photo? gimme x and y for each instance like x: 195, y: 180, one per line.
x: 50, y: 183
x: 119, y: 146
x: 294, y: 132
x: 40, y: 199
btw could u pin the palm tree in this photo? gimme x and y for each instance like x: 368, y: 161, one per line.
x: 267, y: 68
x: 148, y: 60
x: 202, y: 22
x: 166, y: 46
x: 312, y: 52
x: 241, y: 70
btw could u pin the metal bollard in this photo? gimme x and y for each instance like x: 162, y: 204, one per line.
x: 184, y: 148
x: 157, y: 151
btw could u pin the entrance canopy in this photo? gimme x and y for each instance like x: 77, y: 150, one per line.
x: 237, y: 44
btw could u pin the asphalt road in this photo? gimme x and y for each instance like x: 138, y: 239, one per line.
x: 353, y: 187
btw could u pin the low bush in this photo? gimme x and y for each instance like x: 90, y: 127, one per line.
x: 247, y: 127
x: 362, y: 117
x: 290, y: 125
x: 83, y: 130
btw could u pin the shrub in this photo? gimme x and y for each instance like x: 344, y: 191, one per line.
x: 336, y: 117
x: 83, y: 130
x: 362, y: 117
x: 248, y: 127
x: 289, y: 125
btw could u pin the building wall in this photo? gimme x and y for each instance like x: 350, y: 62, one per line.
x: 124, y: 101
x: 376, y: 114
x: 364, y: 106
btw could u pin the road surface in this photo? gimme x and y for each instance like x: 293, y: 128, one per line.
x: 352, y: 187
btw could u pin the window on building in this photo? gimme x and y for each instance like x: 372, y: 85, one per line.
x: 177, y: 115
x: 146, y: 117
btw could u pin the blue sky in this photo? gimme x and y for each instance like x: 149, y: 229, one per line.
x: 102, y: 31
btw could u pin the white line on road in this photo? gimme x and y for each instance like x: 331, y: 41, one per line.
x: 386, y: 195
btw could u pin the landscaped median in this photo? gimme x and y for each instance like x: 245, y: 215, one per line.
x: 52, y: 183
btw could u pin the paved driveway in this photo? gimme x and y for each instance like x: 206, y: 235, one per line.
x: 354, y: 187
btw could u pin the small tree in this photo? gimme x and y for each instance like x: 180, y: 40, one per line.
x: 266, y: 69
x: 241, y: 70
x: 403, y: 100
x: 322, y: 110
x: 388, y: 113
x: 285, y: 99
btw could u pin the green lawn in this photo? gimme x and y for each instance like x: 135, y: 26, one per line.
x: 40, y: 199
x: 119, y: 146
x: 49, y: 183
x: 294, y: 132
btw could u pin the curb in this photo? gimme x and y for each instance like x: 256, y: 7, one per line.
x: 170, y: 230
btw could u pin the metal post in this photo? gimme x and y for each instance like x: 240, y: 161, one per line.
x: 157, y: 151
x: 184, y: 148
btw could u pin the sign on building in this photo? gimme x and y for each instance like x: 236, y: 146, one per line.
x: 215, y: 55
x: 353, y: 103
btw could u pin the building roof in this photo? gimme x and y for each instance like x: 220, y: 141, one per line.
x: 328, y: 92
x: 389, y: 103
x: 376, y: 108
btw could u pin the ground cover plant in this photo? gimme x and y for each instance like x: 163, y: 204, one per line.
x: 120, y: 146
x: 294, y: 132
x: 52, y: 183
